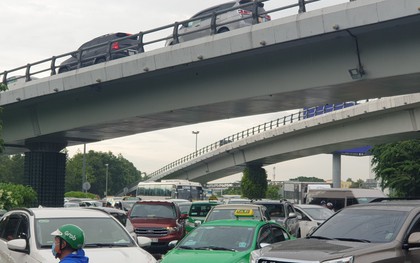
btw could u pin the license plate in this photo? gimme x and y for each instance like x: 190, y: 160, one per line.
x: 155, y: 240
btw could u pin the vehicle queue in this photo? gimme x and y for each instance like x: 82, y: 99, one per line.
x: 383, y: 230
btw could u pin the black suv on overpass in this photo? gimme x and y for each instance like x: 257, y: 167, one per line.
x: 101, y: 49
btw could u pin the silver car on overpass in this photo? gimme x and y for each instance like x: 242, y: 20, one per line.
x: 226, y: 21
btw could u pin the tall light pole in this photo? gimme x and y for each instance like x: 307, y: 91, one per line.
x: 84, y: 169
x: 196, y: 138
x: 106, y: 180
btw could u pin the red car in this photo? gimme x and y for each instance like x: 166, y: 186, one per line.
x: 161, y: 221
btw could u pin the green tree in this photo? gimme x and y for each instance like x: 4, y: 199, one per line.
x: 121, y: 172
x: 397, y: 166
x: 15, y: 195
x: 233, y: 191
x: 358, y: 184
x: 307, y: 179
x: 78, y: 194
x: 254, y: 182
x: 12, y: 168
x: 273, y: 192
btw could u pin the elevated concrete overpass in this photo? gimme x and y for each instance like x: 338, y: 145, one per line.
x: 300, y: 60
x: 380, y: 121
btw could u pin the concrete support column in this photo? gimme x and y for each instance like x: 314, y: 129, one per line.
x: 45, y: 169
x: 336, y: 168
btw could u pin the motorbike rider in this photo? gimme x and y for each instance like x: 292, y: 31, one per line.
x: 68, y: 244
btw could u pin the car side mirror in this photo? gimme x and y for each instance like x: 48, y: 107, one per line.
x: 144, y: 241
x: 292, y: 215
x: 197, y: 223
x: 18, y: 245
x: 172, y: 244
x: 414, y: 239
x: 184, y: 216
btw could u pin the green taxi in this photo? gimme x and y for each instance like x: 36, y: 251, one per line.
x: 226, y: 241
x: 198, y: 212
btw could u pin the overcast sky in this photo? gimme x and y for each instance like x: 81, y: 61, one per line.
x: 33, y: 30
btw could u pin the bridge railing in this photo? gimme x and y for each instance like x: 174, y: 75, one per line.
x: 294, y: 117
x: 28, y: 71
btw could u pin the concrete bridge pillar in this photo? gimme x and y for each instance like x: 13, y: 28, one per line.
x: 336, y: 168
x: 45, y: 169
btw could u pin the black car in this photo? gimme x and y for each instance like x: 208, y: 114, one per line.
x: 387, y: 231
x: 101, y: 49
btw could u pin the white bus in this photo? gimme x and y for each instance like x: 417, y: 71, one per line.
x: 170, y: 189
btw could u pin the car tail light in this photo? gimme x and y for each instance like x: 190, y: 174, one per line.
x: 244, y: 12
x: 115, y: 46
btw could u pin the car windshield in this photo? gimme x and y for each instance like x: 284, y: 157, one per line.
x: 184, y: 207
x: 98, y: 231
x: 374, y: 226
x: 319, y: 213
x: 218, y: 214
x: 153, y: 211
x: 238, y: 201
x: 275, y: 210
x: 200, y: 210
x: 234, y: 238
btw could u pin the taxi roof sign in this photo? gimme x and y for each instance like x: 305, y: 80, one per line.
x: 244, y: 212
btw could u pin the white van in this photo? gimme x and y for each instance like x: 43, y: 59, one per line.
x: 340, y: 197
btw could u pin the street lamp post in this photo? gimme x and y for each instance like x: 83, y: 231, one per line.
x: 106, y: 180
x: 196, y: 138
x: 143, y: 177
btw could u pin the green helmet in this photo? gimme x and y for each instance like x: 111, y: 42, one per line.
x: 72, y: 234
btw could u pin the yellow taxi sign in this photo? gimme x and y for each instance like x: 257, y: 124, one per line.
x: 244, y: 212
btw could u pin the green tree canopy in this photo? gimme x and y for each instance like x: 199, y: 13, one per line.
x: 307, y: 179
x: 15, y: 195
x: 254, y: 182
x: 358, y: 184
x: 397, y: 165
x: 233, y: 191
x: 121, y: 172
x: 273, y: 192
x: 12, y: 168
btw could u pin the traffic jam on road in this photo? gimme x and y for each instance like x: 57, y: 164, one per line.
x: 157, y: 229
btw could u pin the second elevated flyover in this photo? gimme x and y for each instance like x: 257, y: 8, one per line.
x: 381, y: 121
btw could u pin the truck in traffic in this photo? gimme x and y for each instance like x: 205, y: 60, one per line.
x: 342, y: 197
x: 296, y: 192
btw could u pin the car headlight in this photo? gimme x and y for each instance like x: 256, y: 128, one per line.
x: 340, y: 260
x: 254, y: 256
x: 172, y: 229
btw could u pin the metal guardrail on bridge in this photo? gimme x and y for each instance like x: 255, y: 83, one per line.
x: 49, y: 64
